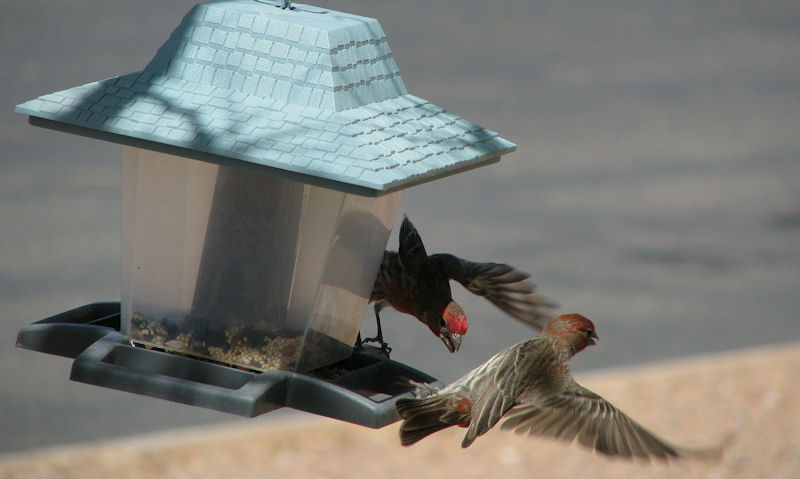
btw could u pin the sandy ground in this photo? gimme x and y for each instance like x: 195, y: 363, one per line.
x: 753, y: 395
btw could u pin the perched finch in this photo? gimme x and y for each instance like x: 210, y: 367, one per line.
x: 530, y: 386
x: 414, y: 283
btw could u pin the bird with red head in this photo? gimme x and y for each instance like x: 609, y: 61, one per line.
x: 529, y: 386
x: 418, y: 284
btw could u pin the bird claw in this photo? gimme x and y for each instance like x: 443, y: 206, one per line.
x: 423, y: 389
x: 385, y: 349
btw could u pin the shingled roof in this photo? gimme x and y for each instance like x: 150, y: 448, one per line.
x: 310, y: 94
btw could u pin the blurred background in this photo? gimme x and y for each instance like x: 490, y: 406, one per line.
x: 656, y: 186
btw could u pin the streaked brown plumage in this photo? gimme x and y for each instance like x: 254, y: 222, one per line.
x: 414, y: 283
x: 530, y: 386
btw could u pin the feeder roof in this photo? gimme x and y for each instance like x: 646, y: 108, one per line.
x: 310, y: 94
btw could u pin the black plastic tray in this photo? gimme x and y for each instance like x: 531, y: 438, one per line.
x: 364, y: 391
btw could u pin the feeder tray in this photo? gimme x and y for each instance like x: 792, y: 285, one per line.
x: 361, y: 389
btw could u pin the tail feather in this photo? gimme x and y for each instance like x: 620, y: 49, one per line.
x: 424, y: 416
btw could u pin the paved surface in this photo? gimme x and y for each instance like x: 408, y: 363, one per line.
x: 656, y: 188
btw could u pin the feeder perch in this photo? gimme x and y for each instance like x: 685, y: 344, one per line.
x: 265, y: 151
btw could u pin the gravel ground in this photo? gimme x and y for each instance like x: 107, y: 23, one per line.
x: 752, y: 397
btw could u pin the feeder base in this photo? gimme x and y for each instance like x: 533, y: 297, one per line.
x: 361, y: 389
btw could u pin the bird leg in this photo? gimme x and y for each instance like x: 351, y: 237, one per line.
x: 379, y: 337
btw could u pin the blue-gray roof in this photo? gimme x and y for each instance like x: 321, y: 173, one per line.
x: 309, y: 93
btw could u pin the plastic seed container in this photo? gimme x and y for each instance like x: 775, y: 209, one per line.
x: 245, y: 269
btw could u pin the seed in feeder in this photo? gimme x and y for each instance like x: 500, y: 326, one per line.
x: 175, y: 344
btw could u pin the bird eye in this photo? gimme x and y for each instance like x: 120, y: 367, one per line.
x: 589, y: 332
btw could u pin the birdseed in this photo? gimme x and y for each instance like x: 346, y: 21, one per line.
x: 240, y: 346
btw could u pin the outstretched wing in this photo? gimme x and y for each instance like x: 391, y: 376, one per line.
x: 496, y: 385
x: 596, y: 423
x: 504, y: 286
x: 411, y: 250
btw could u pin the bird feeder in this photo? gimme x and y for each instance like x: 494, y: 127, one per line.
x: 265, y: 150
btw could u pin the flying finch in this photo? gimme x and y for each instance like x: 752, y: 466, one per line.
x: 530, y: 387
x: 412, y: 282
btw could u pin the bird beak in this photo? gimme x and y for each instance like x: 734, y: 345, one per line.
x: 593, y: 338
x: 451, y: 340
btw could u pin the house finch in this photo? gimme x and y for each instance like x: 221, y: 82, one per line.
x: 414, y: 283
x: 529, y: 384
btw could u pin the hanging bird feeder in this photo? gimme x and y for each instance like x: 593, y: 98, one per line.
x: 265, y: 151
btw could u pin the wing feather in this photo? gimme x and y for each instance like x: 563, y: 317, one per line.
x: 579, y: 414
x: 505, y: 377
x: 412, y: 251
x: 503, y: 285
